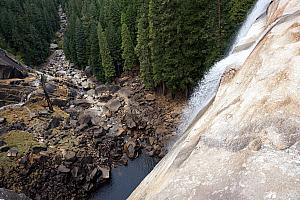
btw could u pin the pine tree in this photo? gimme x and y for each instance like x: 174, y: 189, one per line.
x: 112, y: 26
x: 127, y: 46
x: 95, y: 60
x: 108, y: 67
x: 156, y: 41
x: 72, y: 37
x: 80, y: 44
x: 142, y: 49
x: 129, y: 17
x: 195, y: 36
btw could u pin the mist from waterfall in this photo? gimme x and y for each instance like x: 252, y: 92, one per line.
x: 208, y: 86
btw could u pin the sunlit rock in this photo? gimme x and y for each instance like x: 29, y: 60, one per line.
x: 245, y: 140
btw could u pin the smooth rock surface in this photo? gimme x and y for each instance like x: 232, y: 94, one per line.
x: 246, y: 146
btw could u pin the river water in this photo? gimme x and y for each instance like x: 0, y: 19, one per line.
x: 125, y: 179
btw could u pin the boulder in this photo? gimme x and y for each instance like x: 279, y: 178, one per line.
x: 4, y: 149
x: 2, y: 120
x: 74, y: 172
x: 63, y: 169
x: 72, y: 92
x: 81, y: 102
x: 10, y: 195
x: 150, y: 97
x: 89, y: 117
x: 38, y: 149
x: 61, y: 73
x: 13, y: 152
x: 88, y: 187
x: 19, y: 126
x: 88, y: 71
x: 2, y: 143
x: 100, y: 89
x: 24, y: 160
x: 54, y: 123
x: 60, y: 102
x: 53, y: 46
x: 116, y: 131
x: 50, y: 88
x: 130, y: 149
x: 69, y: 156
x: 91, y: 92
x: 125, y: 92
x: 93, y: 175
x: 161, y: 131
x: 105, y: 172
x: 113, y: 105
x: 43, y: 113
x: 88, y: 84
x: 130, y: 122
x: 113, y: 88
x: 104, y: 98
x: 151, y: 140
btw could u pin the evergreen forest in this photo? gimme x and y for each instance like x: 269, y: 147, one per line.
x: 27, y: 28
x: 171, y: 42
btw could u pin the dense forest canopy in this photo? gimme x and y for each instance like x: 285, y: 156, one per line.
x: 173, y: 42
x: 27, y: 28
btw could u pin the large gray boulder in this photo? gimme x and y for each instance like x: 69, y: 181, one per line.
x: 10, y: 195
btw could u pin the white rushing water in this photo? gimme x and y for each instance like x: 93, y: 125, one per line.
x: 208, y: 86
x: 259, y: 9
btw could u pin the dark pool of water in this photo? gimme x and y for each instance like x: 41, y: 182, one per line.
x: 125, y: 179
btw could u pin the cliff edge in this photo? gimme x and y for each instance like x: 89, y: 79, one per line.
x: 246, y: 145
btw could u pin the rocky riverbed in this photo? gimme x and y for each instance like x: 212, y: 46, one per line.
x: 94, y: 127
x: 69, y: 152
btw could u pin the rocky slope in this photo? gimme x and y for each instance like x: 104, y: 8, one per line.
x: 246, y: 145
x: 93, y: 128
x: 69, y: 152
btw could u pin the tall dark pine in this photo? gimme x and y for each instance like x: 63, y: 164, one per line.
x: 156, y: 41
x: 128, y: 53
x: 142, y: 48
x: 80, y: 44
x: 95, y: 59
x: 107, y: 63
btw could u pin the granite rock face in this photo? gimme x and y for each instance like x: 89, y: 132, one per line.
x: 246, y: 145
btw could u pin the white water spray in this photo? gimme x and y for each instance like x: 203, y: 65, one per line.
x: 208, y: 86
x: 258, y: 10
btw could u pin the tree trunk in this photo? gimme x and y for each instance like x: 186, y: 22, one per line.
x: 43, y: 80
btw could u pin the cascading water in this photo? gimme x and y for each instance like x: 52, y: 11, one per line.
x: 207, y: 88
x: 259, y: 8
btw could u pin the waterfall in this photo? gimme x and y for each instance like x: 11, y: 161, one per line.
x: 259, y: 8
x: 208, y: 86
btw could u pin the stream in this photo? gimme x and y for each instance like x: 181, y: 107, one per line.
x: 125, y: 179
